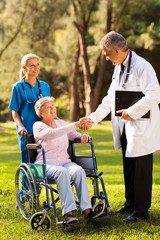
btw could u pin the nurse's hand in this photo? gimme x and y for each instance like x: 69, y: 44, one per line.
x: 125, y: 115
x: 22, y: 130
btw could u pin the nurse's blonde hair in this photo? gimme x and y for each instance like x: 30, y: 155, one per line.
x: 24, y: 62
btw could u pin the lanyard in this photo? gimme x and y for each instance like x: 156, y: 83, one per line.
x: 40, y: 91
x: 128, y: 69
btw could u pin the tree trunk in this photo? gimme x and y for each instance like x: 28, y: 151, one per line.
x: 99, y: 83
x: 74, y: 102
x: 82, y: 29
x: 102, y: 66
x: 86, y: 72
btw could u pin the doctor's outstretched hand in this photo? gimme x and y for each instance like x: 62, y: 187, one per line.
x: 85, y: 123
x: 125, y: 115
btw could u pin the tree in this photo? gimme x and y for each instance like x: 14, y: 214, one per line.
x: 45, y: 27
x: 17, y: 29
x: 74, y: 100
x: 96, y: 92
x: 80, y: 9
x: 82, y: 20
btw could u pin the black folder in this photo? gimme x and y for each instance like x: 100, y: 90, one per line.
x: 125, y: 99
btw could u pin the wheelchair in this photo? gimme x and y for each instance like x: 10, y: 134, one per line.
x: 30, y: 178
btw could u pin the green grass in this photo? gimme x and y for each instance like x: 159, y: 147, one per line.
x: 14, y: 226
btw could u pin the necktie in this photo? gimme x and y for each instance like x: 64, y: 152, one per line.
x: 121, y: 72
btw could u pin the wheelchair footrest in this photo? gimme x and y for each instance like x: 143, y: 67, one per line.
x: 102, y: 217
x: 62, y: 224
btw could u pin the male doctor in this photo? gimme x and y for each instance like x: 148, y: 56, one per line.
x: 138, y: 137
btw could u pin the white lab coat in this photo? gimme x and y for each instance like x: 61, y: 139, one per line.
x: 143, y: 134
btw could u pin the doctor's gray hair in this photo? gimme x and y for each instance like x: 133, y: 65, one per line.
x: 41, y: 103
x: 112, y: 41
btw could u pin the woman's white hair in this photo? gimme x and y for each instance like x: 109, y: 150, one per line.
x: 41, y: 103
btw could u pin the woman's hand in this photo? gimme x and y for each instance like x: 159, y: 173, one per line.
x: 85, y: 138
x: 77, y: 124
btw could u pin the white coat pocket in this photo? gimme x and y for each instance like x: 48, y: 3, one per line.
x: 137, y: 127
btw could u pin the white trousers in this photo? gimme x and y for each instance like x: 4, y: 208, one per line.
x: 62, y: 175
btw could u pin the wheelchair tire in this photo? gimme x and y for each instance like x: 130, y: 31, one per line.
x: 38, y: 223
x: 99, y: 207
x: 35, y: 187
x: 25, y: 192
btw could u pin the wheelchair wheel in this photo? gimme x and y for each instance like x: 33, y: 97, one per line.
x: 99, y: 207
x: 35, y: 186
x: 25, y: 191
x: 40, y: 221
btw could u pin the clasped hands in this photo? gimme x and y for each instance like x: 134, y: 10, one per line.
x: 84, y: 124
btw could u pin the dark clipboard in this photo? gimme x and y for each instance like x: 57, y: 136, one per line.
x: 125, y: 99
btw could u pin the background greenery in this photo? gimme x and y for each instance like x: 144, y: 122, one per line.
x: 47, y: 28
x: 14, y: 227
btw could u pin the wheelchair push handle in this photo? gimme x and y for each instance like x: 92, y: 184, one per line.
x: 33, y: 146
x: 78, y: 140
x: 30, y: 138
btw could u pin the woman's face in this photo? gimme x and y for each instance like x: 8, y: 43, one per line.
x: 32, y: 68
x: 48, y: 111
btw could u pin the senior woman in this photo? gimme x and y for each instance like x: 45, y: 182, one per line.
x: 53, y: 134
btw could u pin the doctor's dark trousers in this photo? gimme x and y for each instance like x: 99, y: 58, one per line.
x: 138, y: 180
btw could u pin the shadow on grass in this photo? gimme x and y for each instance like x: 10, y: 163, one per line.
x: 116, y: 226
x: 95, y: 230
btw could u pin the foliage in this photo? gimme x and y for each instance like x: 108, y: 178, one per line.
x: 13, y: 226
x: 144, y: 33
x: 46, y: 28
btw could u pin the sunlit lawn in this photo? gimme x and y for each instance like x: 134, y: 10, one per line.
x: 13, y: 226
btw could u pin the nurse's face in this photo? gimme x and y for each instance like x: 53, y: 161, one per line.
x: 33, y: 68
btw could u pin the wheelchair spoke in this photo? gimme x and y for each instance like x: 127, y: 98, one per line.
x: 25, y: 193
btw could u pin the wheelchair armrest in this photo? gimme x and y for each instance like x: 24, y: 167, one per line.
x: 33, y: 146
x: 78, y: 140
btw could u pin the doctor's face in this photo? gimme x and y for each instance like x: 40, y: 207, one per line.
x: 113, y: 56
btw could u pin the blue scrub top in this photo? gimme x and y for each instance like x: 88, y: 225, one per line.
x: 26, y: 110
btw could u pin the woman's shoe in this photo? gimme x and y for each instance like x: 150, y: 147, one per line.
x: 70, y: 219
